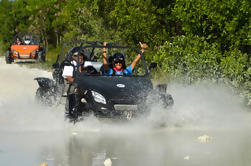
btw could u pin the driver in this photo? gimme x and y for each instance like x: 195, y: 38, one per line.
x: 18, y: 42
x: 118, y: 62
x: 68, y: 71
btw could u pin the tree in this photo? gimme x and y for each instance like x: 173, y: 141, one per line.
x: 7, y: 23
x: 226, y: 22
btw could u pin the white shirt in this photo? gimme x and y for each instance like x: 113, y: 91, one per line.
x: 68, y: 70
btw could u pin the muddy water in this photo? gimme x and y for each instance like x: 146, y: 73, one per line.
x: 207, y: 126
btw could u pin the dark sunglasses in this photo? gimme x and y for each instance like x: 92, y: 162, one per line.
x: 118, y: 61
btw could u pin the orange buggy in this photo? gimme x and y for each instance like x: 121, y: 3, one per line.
x: 25, y: 48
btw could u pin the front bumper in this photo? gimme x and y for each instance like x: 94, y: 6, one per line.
x: 110, y: 109
x: 125, y: 107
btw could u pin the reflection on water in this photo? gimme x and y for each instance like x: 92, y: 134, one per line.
x: 156, y: 147
x: 165, y: 147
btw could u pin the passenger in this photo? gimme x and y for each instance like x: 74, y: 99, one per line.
x: 27, y: 39
x: 118, y: 62
x: 18, y: 42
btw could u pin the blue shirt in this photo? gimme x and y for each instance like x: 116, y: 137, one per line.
x: 126, y: 71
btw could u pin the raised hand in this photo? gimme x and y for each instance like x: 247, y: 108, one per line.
x: 143, y: 46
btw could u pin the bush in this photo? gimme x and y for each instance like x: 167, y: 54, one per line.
x: 191, y: 59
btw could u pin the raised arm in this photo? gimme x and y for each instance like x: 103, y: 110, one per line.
x: 135, y: 61
x: 106, y: 66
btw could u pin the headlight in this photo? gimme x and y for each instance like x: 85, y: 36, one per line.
x: 98, y: 97
x: 15, y: 52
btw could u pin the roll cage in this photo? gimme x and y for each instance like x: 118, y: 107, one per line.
x: 95, y: 45
x: 34, y: 40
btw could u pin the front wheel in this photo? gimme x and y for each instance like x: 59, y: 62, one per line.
x: 164, y: 100
x: 167, y: 100
x: 8, y: 58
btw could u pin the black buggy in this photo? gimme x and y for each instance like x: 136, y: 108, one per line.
x: 123, y: 96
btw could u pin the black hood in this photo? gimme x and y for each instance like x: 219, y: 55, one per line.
x: 118, y: 89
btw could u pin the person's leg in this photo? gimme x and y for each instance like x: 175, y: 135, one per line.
x: 73, y: 102
x: 76, y: 102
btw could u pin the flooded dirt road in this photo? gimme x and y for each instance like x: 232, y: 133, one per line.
x: 207, y: 126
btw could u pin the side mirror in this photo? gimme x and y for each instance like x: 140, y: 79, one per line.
x: 152, y: 65
x: 55, y: 65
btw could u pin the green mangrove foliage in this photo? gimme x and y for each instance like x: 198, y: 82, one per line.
x: 191, y: 59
